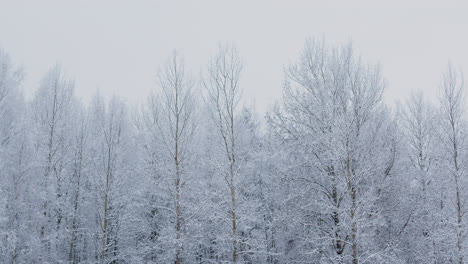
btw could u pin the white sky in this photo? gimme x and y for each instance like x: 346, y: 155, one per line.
x: 118, y: 46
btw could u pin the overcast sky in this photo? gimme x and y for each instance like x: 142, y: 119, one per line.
x: 118, y: 46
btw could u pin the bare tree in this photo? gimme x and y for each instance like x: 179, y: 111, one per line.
x: 173, y: 121
x: 451, y: 98
x: 419, y: 129
x: 14, y: 161
x: 112, y: 127
x: 331, y: 118
x: 79, y: 143
x: 108, y: 144
x: 51, y: 107
x: 223, y: 94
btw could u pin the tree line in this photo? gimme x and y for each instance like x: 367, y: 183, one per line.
x: 191, y: 176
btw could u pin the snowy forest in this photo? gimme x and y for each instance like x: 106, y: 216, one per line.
x: 329, y: 174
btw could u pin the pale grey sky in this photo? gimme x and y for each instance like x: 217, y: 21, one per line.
x: 118, y: 46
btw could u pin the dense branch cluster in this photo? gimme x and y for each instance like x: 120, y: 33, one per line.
x: 190, y: 176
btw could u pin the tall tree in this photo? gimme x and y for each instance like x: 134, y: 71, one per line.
x: 453, y: 143
x: 79, y: 145
x: 418, y: 126
x: 223, y: 94
x: 332, y: 118
x: 175, y: 125
x: 15, y: 162
x: 51, y: 109
x: 111, y: 133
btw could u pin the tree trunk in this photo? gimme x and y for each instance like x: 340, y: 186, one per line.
x: 106, y: 198
x: 234, y: 219
x: 178, y: 216
x: 459, y: 225
x: 75, y: 209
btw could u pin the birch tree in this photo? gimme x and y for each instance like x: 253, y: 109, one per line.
x: 423, y: 192
x: 111, y: 158
x: 175, y: 125
x: 451, y: 135
x: 15, y: 164
x: 332, y: 118
x: 51, y: 108
x: 79, y: 144
x: 223, y: 93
